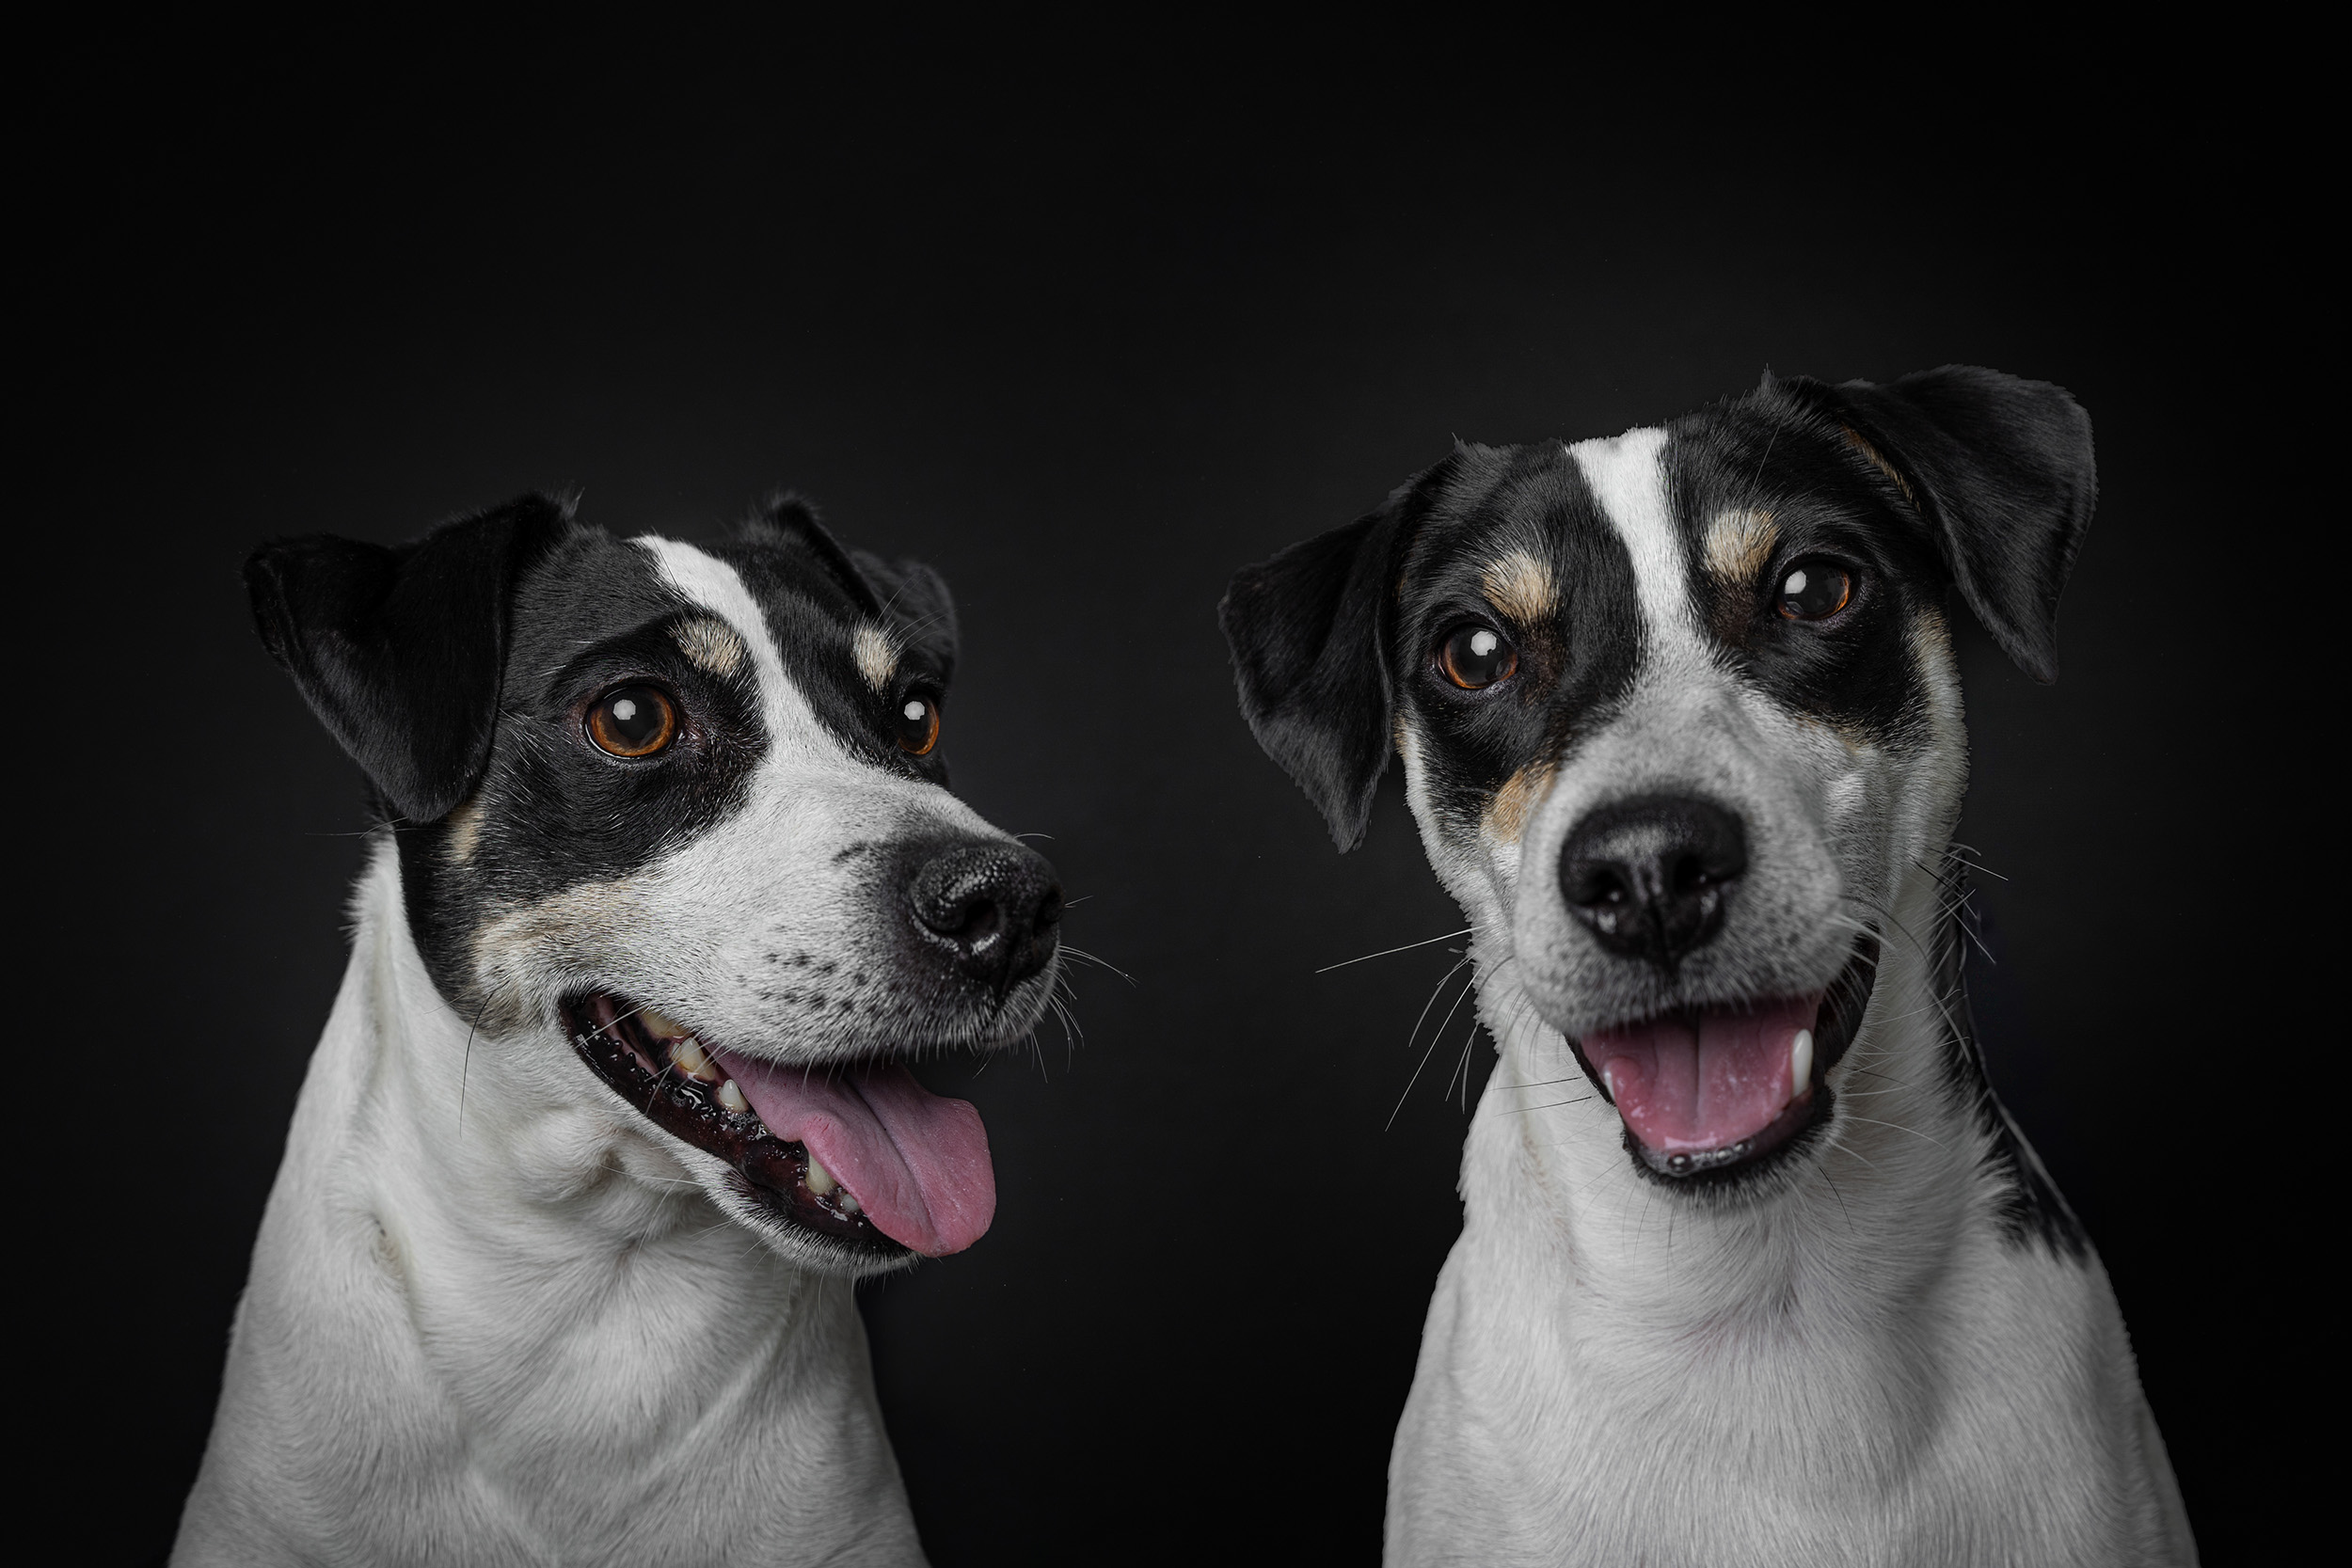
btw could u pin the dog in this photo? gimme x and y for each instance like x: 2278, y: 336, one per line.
x: 1753, y: 1267
x: 613, y: 1105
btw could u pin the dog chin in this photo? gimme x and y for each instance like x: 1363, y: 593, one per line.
x: 847, y: 1167
x: 1715, y: 1098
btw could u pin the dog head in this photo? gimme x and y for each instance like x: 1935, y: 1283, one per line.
x: 1679, y: 716
x: 676, y: 816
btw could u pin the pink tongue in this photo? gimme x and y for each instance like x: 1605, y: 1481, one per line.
x: 916, y: 1161
x: 1690, y: 1082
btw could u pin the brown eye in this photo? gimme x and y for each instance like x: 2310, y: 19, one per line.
x: 1474, y: 656
x: 1815, y: 589
x: 917, y: 724
x: 632, y: 722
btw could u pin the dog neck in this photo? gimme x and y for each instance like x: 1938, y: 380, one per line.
x: 475, y: 1252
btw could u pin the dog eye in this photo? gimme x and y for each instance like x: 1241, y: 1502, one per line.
x: 1815, y: 589
x: 917, y: 724
x: 1474, y: 656
x: 632, y: 722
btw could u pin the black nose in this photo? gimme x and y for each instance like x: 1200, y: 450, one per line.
x: 1647, y: 874
x: 996, y: 906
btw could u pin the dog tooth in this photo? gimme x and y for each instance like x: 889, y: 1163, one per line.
x: 659, y: 1026
x: 693, y: 1061
x: 1800, y: 1063
x: 820, y: 1179
x: 732, y: 1097
x: 848, y: 1201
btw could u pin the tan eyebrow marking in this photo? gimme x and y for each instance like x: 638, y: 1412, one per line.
x: 877, y: 657
x: 1506, y: 814
x: 1520, y: 586
x: 1738, y: 545
x: 1878, y: 460
x: 713, y: 644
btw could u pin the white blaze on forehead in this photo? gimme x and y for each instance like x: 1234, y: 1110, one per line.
x: 1629, y: 478
x: 705, y: 580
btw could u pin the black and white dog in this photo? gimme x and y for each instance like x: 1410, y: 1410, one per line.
x: 614, y: 1104
x: 1754, y: 1268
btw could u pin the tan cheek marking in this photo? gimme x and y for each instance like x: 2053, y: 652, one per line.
x: 713, y: 645
x: 520, y: 952
x: 876, y: 660
x: 1739, y: 544
x: 1520, y: 586
x: 1521, y: 793
x: 465, y: 830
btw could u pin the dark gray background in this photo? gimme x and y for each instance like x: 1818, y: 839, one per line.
x: 1087, y: 363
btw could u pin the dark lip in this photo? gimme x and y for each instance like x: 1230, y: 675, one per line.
x: 772, y: 1171
x: 1799, y: 1123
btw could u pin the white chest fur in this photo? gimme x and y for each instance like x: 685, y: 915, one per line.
x: 518, y: 1333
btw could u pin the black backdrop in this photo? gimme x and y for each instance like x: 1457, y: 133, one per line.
x: 1087, y: 369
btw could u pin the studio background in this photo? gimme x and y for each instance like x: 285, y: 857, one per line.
x: 1088, y: 373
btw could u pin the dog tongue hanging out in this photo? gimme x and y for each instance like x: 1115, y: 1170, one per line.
x: 1681, y: 728
x: 669, y: 892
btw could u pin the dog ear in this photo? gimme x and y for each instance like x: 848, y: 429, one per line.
x: 1310, y: 634
x: 401, y: 650
x: 2000, y: 468
x: 906, y: 592
x: 916, y: 598
x: 789, y: 519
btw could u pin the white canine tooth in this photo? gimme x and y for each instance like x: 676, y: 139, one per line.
x: 1800, y: 1063
x: 659, y: 1027
x: 848, y: 1201
x: 693, y: 1061
x: 820, y: 1180
x: 732, y: 1097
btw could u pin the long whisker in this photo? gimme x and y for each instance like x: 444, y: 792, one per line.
x: 1407, y: 948
x: 1468, y: 987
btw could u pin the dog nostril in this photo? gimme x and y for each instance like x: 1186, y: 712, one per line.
x: 1589, y: 883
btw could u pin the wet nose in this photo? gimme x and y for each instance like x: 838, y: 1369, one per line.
x: 995, y: 906
x: 1646, y: 875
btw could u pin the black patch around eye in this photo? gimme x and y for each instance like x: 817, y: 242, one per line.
x: 1814, y: 589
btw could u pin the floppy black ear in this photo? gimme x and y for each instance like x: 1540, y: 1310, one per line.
x: 2001, y: 469
x: 791, y: 520
x: 916, y: 597
x: 1309, y: 635
x: 400, y: 649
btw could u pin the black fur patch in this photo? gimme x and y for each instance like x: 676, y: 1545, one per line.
x: 459, y: 670
x: 1762, y: 454
x: 1478, y: 510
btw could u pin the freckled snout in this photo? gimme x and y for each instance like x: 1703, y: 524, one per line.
x: 995, y: 906
x: 1648, y: 876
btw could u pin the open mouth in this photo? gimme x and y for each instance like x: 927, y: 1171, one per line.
x: 857, y: 1151
x: 1718, y: 1091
